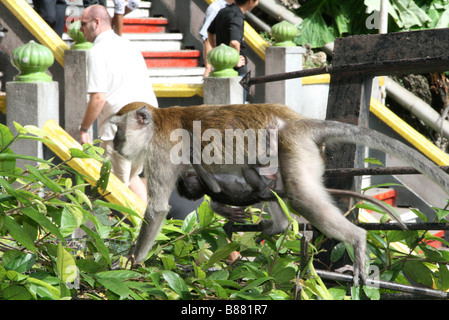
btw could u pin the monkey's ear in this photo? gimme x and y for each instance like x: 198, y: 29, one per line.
x: 143, y: 116
x: 115, y: 119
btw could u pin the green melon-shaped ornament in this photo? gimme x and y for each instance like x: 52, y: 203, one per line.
x: 74, y: 32
x: 284, y: 32
x: 223, y: 58
x: 32, y: 59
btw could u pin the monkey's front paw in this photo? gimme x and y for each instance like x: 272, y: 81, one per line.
x: 234, y: 214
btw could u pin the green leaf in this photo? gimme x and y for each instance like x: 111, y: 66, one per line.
x: 51, y: 291
x: 105, y: 172
x: 12, y: 156
x: 177, y: 284
x: 6, y: 137
x: 205, y: 214
x: 409, y: 14
x: 420, y: 215
x: 444, y: 276
x: 16, y: 231
x: 338, y: 293
x: 394, y: 236
x: 116, y: 286
x: 338, y: 251
x: 43, y: 221
x: 119, y: 208
x: 8, y: 165
x: 441, y: 214
x: 199, y: 273
x: 182, y: 248
x: 372, y: 293
x: 419, y: 272
x: 189, y: 222
x: 53, y: 186
x: 373, y: 161
x: 18, y: 261
x: 78, y: 153
x: 168, y: 262
x: 70, y: 220
x: 66, y: 266
x: 118, y: 274
x: 98, y: 243
x: 16, y: 292
x: 223, y: 252
x: 314, y: 29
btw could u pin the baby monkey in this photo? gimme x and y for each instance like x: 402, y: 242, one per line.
x: 226, y: 189
x: 230, y: 193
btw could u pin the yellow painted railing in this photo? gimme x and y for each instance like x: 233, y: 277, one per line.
x: 179, y: 90
x: 38, y: 27
x: 255, y: 41
x: 410, y: 134
x: 116, y: 191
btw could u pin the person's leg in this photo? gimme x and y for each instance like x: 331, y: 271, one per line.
x: 60, y: 8
x: 47, y: 10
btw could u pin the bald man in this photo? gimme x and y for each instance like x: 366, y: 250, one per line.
x: 117, y: 76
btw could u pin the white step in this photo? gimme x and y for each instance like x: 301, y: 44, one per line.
x: 176, y: 75
x: 75, y: 8
x: 156, y: 41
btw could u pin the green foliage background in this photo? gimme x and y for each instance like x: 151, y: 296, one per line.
x: 325, y: 20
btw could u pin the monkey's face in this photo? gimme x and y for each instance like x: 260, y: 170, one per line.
x: 134, y: 132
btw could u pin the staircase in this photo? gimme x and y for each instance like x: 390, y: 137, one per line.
x: 174, y: 71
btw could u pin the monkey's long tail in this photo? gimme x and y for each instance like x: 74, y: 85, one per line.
x: 333, y: 131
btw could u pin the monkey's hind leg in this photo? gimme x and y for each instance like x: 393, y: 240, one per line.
x: 302, y: 174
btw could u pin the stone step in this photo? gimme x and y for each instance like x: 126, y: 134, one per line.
x: 146, y: 42
x: 75, y: 8
x: 172, y: 59
x: 144, y: 25
x: 177, y: 75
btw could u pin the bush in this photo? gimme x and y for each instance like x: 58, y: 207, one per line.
x: 44, y: 207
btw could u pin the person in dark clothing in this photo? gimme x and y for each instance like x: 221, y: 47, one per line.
x: 53, y: 12
x: 228, y: 28
x: 88, y: 3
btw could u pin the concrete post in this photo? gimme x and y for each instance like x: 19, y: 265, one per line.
x: 281, y: 60
x: 75, y: 78
x: 283, y: 57
x: 75, y: 100
x: 33, y: 98
x: 222, y: 86
x: 222, y: 90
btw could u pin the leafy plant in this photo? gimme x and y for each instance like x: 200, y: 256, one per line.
x: 324, y: 20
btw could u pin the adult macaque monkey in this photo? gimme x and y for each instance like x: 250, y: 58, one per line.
x: 149, y: 134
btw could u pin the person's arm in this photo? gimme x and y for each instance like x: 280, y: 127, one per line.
x: 236, y: 45
x: 208, y: 45
x: 236, y: 27
x: 96, y: 103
